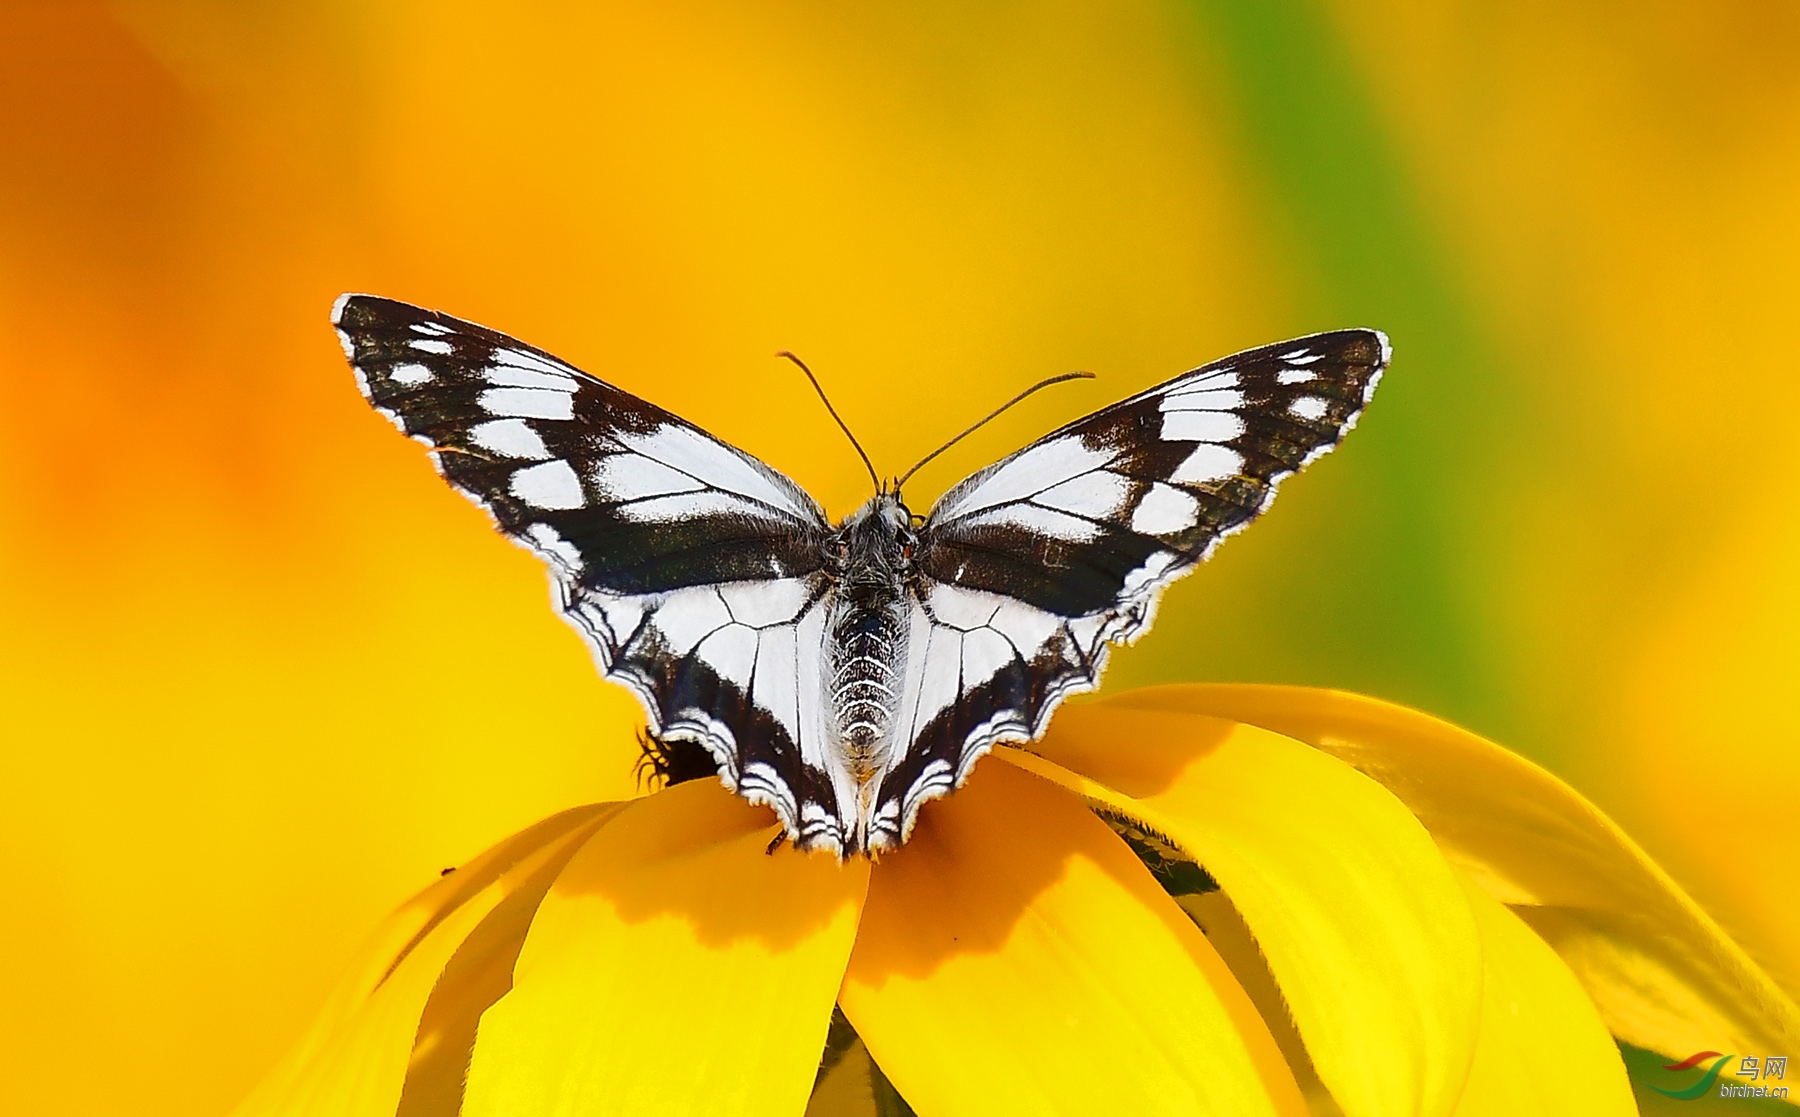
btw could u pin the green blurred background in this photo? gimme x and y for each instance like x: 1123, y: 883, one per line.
x: 262, y: 675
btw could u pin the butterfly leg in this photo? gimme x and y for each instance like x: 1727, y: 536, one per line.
x: 664, y: 763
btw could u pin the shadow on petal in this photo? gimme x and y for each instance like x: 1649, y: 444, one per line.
x: 1226, y: 930
x: 675, y: 966
x: 661, y: 857
x: 1016, y: 957
x: 915, y: 889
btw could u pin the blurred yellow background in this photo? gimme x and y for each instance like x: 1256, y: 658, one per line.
x: 262, y: 674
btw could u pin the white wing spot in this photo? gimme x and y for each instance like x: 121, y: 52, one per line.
x: 812, y: 706
x: 942, y: 673
x: 511, y: 438
x: 1044, y: 521
x: 633, y: 477
x: 622, y: 615
x: 1149, y: 573
x: 933, y: 781
x: 431, y: 329
x: 761, y: 604
x: 775, y: 687
x: 1208, y: 463
x: 505, y: 376
x: 1029, y: 628
x: 1309, y: 407
x: 959, y: 607
x: 509, y: 368
x: 410, y: 374
x: 1022, y: 476
x: 530, y: 361
x: 1291, y: 376
x: 559, y: 550
x: 1201, y: 426
x: 1085, y: 631
x: 760, y: 784
x: 550, y: 486
x: 527, y: 403
x: 717, y: 465
x: 985, y: 652
x: 1097, y: 495
x: 690, y: 616
x: 1202, y: 397
x: 683, y: 506
x: 431, y: 345
x: 1165, y: 510
x: 1302, y: 357
x: 731, y: 653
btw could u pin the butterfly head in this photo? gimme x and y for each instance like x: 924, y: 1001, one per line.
x: 874, y: 544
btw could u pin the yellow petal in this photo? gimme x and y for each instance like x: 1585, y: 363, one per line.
x: 1543, y: 1048
x: 676, y: 967
x: 1663, y: 974
x: 1015, y: 957
x: 1356, y: 912
x: 354, y: 1059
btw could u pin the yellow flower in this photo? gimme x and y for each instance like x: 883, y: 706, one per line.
x: 1407, y: 919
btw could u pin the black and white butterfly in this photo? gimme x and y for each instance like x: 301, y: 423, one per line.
x: 844, y: 675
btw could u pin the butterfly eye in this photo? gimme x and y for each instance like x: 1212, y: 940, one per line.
x: 843, y: 549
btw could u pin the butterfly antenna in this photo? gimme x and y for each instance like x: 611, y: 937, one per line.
x: 843, y: 426
x: 995, y: 414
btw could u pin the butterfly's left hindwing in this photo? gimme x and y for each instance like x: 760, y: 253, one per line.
x: 691, y: 568
x: 1030, y: 569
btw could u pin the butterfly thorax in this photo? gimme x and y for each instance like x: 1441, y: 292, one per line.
x: 870, y: 558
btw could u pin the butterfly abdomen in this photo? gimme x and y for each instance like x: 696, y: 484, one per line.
x: 868, y: 647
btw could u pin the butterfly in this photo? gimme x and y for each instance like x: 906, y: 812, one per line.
x: 845, y: 674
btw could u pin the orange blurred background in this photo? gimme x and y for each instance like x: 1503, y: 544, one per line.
x: 263, y: 674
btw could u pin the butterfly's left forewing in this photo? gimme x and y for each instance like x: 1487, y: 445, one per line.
x: 691, y: 568
x: 1030, y: 569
